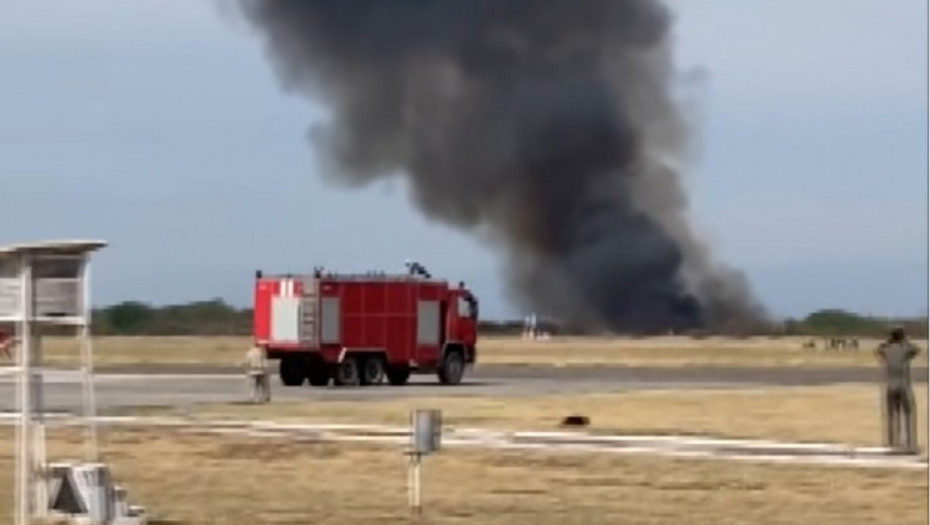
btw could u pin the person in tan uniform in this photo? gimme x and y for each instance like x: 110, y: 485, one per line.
x: 256, y: 370
x: 896, y: 355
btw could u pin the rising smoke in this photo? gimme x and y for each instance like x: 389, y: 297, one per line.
x: 546, y: 126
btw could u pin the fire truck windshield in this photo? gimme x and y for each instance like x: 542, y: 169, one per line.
x: 468, y: 306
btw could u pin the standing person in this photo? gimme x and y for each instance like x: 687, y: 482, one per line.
x: 896, y: 355
x: 256, y: 363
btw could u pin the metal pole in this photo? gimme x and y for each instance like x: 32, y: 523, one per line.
x: 414, y: 483
x: 23, y: 456
x: 40, y: 496
x: 20, y: 435
x: 87, y: 369
x: 417, y: 473
x: 410, y: 496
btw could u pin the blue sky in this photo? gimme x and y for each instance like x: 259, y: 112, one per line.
x: 159, y: 126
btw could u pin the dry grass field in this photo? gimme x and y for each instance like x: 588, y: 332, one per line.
x: 187, y: 480
x: 658, y: 351
x: 844, y: 414
x: 675, y: 351
x: 109, y: 351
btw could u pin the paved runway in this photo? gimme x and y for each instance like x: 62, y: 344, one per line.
x: 171, y: 386
x: 613, y: 374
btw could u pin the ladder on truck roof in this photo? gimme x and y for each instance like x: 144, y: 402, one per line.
x: 415, y: 272
x: 379, y: 277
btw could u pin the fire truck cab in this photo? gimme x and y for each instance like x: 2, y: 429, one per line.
x: 360, y: 329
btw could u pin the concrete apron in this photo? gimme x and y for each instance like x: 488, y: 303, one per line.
x: 760, y: 451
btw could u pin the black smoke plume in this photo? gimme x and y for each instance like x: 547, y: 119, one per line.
x: 548, y: 127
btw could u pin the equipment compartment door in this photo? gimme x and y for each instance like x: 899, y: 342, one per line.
x: 330, y: 320
x: 429, y: 330
x: 285, y: 319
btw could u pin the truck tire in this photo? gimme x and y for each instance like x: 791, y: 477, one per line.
x: 452, y: 368
x: 398, y: 375
x: 319, y: 375
x: 347, y: 372
x: 318, y: 371
x: 372, y: 371
x: 293, y: 371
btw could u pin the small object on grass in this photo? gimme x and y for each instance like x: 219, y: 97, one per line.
x: 575, y: 421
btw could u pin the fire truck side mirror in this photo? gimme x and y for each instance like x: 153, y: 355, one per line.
x: 258, y: 274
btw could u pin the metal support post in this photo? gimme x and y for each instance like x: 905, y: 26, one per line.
x: 20, y: 436
x: 425, y: 439
x: 87, y: 370
x: 414, y: 483
x: 40, y: 487
x: 25, y: 435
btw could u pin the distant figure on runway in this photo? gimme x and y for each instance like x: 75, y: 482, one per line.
x: 896, y: 355
x: 256, y: 370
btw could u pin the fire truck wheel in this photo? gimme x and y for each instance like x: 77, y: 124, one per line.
x: 452, y: 368
x: 319, y: 376
x: 292, y: 371
x: 398, y: 375
x: 347, y: 372
x: 372, y: 372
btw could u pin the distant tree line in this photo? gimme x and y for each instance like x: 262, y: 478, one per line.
x: 216, y: 317
x: 213, y: 317
x: 841, y: 323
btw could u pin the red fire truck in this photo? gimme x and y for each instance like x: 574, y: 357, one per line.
x: 361, y: 329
